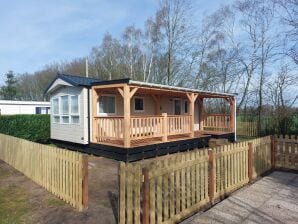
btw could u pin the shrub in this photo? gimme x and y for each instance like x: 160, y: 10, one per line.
x: 34, y: 128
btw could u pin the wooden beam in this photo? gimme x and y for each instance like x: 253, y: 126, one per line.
x: 181, y: 92
x: 120, y: 90
x: 191, y: 97
x: 133, y: 91
x: 232, y: 114
x: 126, y: 113
x: 195, y: 96
x: 109, y: 86
x: 201, y: 112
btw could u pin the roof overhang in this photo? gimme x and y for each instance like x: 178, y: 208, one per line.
x: 152, y: 86
x: 56, y: 84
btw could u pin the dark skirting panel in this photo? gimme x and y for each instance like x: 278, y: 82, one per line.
x: 141, y: 152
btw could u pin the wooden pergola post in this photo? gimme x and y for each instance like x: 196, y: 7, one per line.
x: 94, y: 114
x: 201, y: 113
x: 126, y: 115
x: 165, y: 127
x: 232, y: 113
x: 127, y: 94
x: 192, y: 98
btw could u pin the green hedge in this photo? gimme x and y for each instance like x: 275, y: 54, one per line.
x: 34, y: 128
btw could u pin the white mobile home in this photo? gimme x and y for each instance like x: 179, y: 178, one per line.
x: 69, y: 96
x: 11, y: 107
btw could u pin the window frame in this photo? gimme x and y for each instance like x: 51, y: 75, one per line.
x: 134, y: 104
x: 70, y: 114
x: 98, y: 105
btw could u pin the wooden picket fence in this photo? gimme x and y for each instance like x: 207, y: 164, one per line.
x: 247, y: 128
x: 170, y: 188
x: 230, y: 167
x: 62, y: 172
x: 261, y: 155
x: 286, y: 152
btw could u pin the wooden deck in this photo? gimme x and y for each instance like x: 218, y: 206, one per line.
x: 172, y: 138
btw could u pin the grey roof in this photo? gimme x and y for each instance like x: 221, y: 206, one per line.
x: 74, y: 80
x: 78, y: 80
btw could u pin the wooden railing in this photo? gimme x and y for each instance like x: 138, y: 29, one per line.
x: 217, y: 122
x: 110, y: 128
x: 179, y: 124
x: 146, y: 127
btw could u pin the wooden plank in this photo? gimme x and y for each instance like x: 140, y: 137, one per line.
x: 122, y: 192
x: 137, y: 197
x: 152, y: 201
x: 159, y: 196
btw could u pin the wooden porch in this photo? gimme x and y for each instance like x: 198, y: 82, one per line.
x: 130, y: 131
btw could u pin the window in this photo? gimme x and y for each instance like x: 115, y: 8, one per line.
x: 185, y: 107
x: 65, y: 119
x: 74, y: 109
x: 139, y: 104
x: 74, y: 104
x: 56, y: 119
x: 64, y: 104
x: 107, y: 105
x: 56, y: 106
x: 67, y: 112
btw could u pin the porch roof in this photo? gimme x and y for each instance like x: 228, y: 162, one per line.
x: 160, y: 86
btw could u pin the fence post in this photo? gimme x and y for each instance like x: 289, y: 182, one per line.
x: 145, y: 191
x: 273, y: 145
x: 164, y: 127
x: 211, y: 175
x: 85, y: 182
x: 250, y: 161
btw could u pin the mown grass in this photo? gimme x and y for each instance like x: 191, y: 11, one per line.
x: 14, y: 206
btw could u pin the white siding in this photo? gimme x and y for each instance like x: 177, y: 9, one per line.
x: 77, y: 133
x: 20, y: 107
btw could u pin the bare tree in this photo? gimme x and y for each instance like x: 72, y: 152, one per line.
x: 289, y: 16
x: 174, y: 16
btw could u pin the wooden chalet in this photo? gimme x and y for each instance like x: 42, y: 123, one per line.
x: 130, y: 120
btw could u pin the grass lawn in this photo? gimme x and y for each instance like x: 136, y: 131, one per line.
x: 14, y: 207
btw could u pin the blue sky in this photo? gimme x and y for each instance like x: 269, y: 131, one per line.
x: 38, y: 32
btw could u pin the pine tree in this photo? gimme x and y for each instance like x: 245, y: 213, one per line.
x: 9, y: 91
